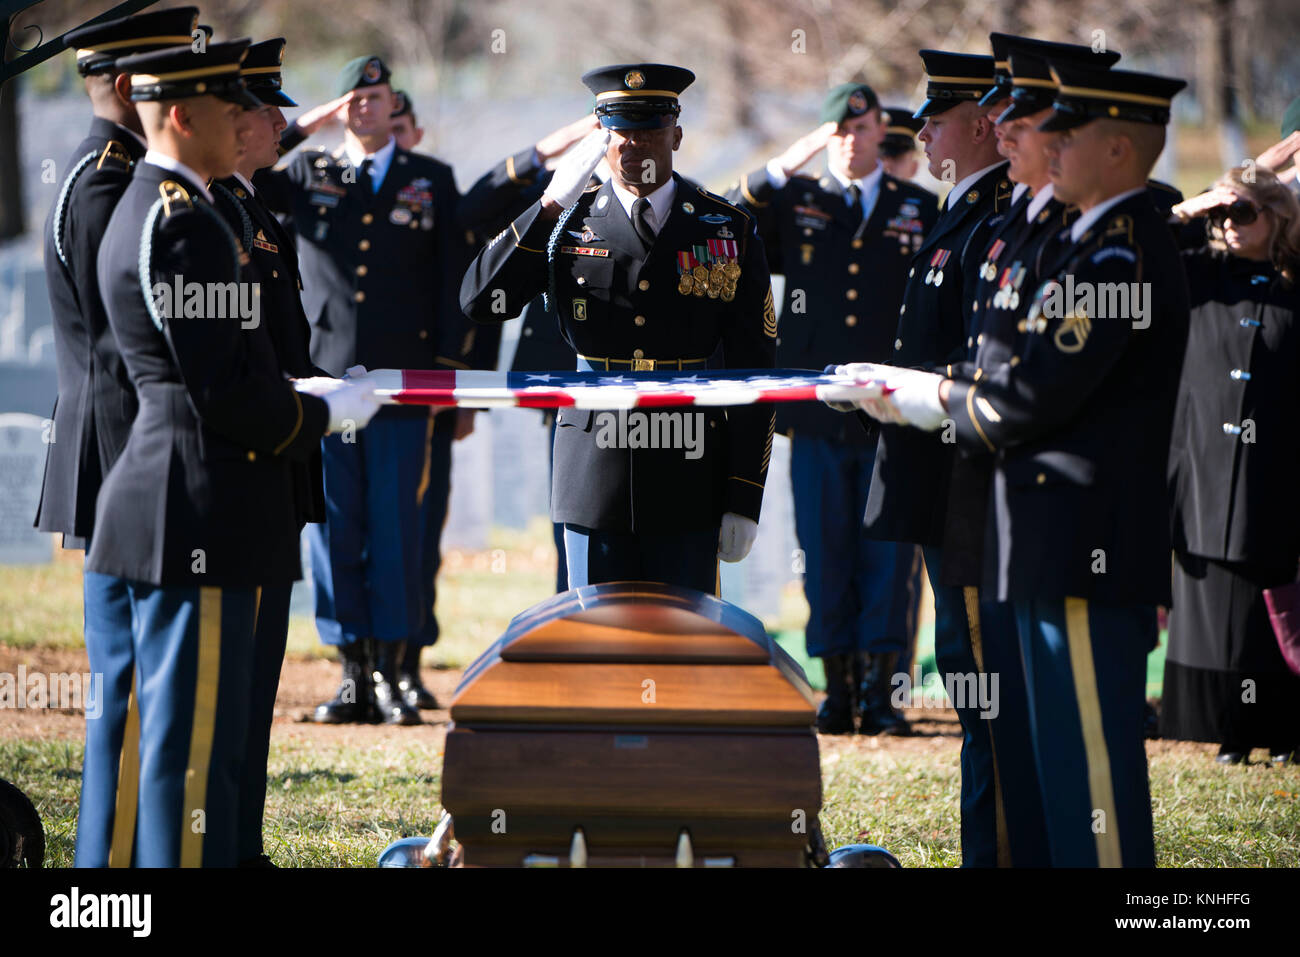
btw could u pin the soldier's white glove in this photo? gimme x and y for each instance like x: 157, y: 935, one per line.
x: 318, y: 385
x: 863, y: 371
x: 573, y: 171
x: 354, y: 372
x: 736, y: 537
x: 914, y: 397
x: 351, y: 404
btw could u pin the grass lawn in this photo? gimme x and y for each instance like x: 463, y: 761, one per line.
x: 337, y: 800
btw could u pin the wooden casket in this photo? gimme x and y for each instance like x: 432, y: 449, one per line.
x: 633, y: 724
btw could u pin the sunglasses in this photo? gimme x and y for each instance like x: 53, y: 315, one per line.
x: 1242, y: 212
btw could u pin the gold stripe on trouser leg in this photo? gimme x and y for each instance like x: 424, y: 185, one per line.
x: 1100, y: 785
x: 717, y: 579
x: 127, y: 800
x: 913, y: 608
x: 972, y: 599
x: 257, y: 607
x: 428, y: 460
x: 202, y: 728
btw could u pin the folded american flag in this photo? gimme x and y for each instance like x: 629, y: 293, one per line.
x: 612, y: 390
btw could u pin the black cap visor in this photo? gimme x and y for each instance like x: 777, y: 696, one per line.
x: 638, y: 114
x: 270, y: 94
x: 1026, y: 103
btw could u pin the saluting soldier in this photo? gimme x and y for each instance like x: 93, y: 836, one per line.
x: 281, y: 340
x: 909, y: 490
x: 649, y: 272
x: 96, y: 401
x: 843, y: 242
x: 197, y: 514
x: 497, y: 197
x: 449, y: 425
x: 382, y: 256
x: 1080, y: 421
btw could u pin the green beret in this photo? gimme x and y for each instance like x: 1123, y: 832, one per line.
x: 363, y: 71
x: 848, y: 100
x: 1291, y: 118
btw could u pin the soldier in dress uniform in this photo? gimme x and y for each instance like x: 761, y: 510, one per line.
x: 648, y: 273
x: 448, y: 425
x: 382, y: 255
x: 96, y: 401
x: 1023, y: 86
x: 282, y: 339
x: 497, y: 197
x: 909, y: 485
x: 843, y: 242
x: 1079, y: 420
x: 407, y: 130
x: 898, y: 149
x: 197, y: 514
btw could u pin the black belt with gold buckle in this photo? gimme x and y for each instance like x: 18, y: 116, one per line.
x: 644, y: 365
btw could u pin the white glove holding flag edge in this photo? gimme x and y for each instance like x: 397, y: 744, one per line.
x: 861, y: 371
x: 573, y: 171
x: 317, y: 385
x: 351, y: 405
x: 914, y: 397
x: 736, y: 537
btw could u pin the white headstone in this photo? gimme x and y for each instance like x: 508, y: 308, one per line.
x: 22, y: 465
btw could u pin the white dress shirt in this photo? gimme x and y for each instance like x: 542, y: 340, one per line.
x: 966, y: 182
x: 380, y: 159
x: 661, y: 202
x: 869, y: 186
x: 173, y: 165
x: 1038, y: 202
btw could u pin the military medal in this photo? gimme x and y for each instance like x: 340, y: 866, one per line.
x: 934, y: 261
x: 686, y: 266
x: 989, y: 270
x: 944, y: 256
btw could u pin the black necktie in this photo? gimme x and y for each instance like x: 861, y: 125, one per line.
x: 364, y: 175
x: 641, y: 222
x: 854, y: 195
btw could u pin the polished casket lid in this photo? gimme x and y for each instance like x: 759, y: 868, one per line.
x: 635, y: 652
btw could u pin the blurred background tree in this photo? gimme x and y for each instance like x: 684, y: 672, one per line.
x: 762, y: 64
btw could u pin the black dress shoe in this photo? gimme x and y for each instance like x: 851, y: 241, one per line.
x: 877, y: 714
x: 1226, y: 756
x: 392, y: 706
x: 835, y: 716
x: 1283, y: 756
x: 833, y: 719
x: 354, y: 702
x: 414, y: 692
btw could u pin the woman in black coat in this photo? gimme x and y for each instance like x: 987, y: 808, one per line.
x: 1235, y: 473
